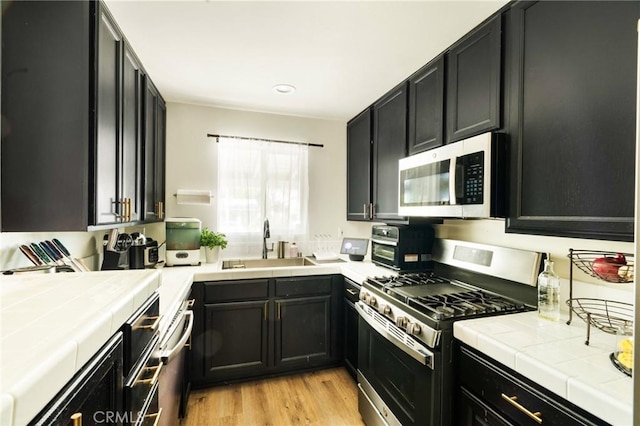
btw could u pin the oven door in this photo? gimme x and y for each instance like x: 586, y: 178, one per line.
x: 427, y: 183
x: 384, y: 254
x: 394, y: 386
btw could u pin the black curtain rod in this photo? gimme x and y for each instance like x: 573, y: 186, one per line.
x: 209, y: 135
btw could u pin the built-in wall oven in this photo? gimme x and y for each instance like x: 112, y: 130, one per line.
x: 405, y: 363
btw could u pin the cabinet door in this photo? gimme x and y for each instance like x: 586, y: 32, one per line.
x: 236, y: 339
x: 303, y: 330
x: 473, y: 82
x: 107, y: 203
x: 572, y: 118
x: 94, y: 392
x: 426, y: 107
x: 45, y: 116
x: 131, y: 134
x: 154, y: 151
x: 359, y: 166
x: 389, y: 146
x: 350, y: 337
x: 159, y: 187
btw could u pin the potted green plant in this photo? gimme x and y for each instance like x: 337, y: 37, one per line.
x: 212, y: 242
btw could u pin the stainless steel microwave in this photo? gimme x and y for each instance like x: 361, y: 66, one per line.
x: 465, y: 179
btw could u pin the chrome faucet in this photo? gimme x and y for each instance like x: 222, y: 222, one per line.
x: 266, y: 234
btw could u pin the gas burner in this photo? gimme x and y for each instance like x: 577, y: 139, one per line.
x: 407, y: 279
x: 470, y: 303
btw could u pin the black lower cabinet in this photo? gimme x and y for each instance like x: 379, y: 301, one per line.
x: 236, y: 339
x: 489, y: 393
x: 303, y: 331
x: 350, y: 333
x: 95, y: 394
x: 251, y: 328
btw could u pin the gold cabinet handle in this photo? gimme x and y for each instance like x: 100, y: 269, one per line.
x: 156, y: 415
x: 351, y: 291
x: 266, y: 306
x: 76, y: 418
x: 365, y: 214
x: 537, y: 416
x: 152, y: 326
x: 152, y: 381
x: 278, y: 315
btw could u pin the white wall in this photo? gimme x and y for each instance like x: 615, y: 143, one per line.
x: 191, y: 163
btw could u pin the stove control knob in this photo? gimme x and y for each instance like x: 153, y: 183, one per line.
x: 401, y: 322
x: 364, y: 295
x: 372, y: 301
x: 384, y: 309
x: 413, y: 328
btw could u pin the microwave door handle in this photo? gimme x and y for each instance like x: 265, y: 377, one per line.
x: 452, y: 180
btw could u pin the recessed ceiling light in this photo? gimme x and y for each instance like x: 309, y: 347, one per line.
x: 284, y: 89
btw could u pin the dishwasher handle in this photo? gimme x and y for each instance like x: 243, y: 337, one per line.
x: 169, y: 354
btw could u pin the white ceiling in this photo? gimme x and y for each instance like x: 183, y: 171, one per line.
x: 341, y: 55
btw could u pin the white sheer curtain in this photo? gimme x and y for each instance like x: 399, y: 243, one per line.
x: 258, y: 180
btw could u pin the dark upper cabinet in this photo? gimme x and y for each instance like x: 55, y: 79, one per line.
x: 72, y: 119
x: 389, y: 146
x: 108, y: 136
x: 426, y: 107
x: 359, y: 148
x: 132, y: 120
x: 473, y: 82
x: 154, y: 154
x: 572, y: 84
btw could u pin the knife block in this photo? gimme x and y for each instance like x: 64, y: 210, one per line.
x: 115, y: 260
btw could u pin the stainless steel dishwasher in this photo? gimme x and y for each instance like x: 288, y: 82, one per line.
x: 174, y: 387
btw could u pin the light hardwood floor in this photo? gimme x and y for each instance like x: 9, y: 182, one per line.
x: 325, y: 397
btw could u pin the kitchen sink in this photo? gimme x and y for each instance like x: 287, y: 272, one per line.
x: 265, y: 263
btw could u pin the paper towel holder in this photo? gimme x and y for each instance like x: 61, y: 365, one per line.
x: 193, y: 196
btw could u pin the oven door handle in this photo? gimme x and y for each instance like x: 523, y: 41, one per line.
x: 169, y: 354
x: 417, y: 352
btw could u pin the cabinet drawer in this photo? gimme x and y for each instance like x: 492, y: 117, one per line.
x: 139, y: 330
x: 303, y: 286
x: 516, y: 398
x: 229, y: 291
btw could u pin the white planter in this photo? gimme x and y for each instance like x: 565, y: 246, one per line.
x: 212, y: 254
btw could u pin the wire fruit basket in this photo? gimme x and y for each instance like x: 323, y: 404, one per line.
x: 612, y: 267
x: 606, y: 315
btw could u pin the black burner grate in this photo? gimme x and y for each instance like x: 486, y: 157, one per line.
x: 470, y: 303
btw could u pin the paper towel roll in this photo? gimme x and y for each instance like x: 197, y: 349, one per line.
x: 193, y: 196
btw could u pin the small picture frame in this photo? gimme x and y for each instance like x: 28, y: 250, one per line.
x: 356, y: 248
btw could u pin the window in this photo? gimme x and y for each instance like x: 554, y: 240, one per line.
x: 258, y: 180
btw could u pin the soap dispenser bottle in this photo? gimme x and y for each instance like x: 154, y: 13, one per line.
x: 549, y: 292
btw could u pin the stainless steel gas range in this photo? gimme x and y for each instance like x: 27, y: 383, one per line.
x: 406, y: 360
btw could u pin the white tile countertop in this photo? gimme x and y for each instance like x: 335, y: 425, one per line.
x: 177, y: 280
x: 553, y: 354
x: 37, y: 359
x: 52, y: 324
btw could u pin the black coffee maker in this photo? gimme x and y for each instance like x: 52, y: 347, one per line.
x: 115, y: 250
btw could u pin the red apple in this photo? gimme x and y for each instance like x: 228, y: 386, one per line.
x: 607, y: 267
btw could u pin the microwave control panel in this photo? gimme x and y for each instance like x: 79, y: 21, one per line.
x: 473, y: 178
